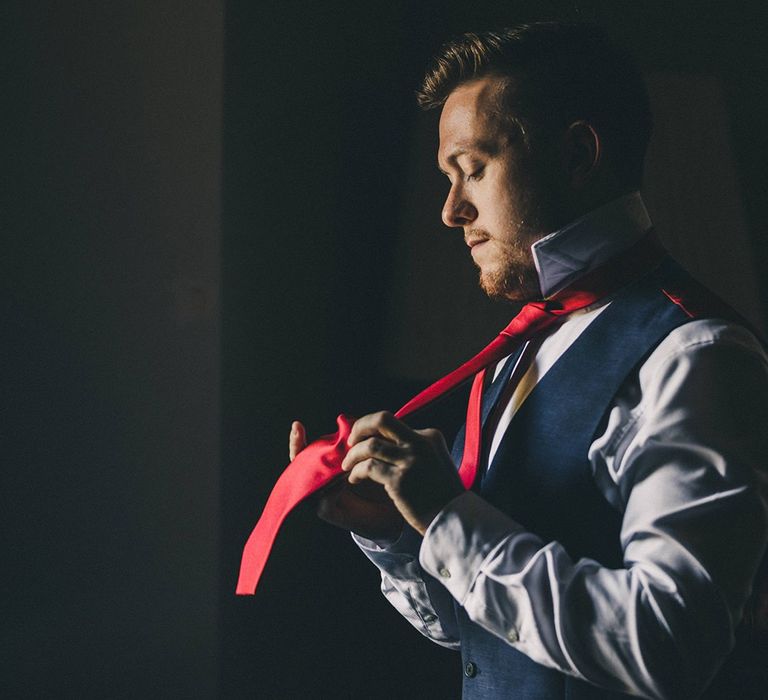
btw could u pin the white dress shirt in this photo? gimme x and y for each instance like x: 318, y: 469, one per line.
x: 683, y: 458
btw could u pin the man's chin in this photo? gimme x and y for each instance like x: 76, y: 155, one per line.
x: 515, y: 291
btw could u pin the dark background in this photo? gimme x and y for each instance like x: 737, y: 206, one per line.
x: 212, y: 213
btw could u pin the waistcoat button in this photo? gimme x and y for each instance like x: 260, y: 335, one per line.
x: 470, y: 670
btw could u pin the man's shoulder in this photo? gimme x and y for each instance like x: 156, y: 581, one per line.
x: 700, y: 333
x: 695, y: 299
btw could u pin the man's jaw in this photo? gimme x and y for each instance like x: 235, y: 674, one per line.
x: 504, y: 275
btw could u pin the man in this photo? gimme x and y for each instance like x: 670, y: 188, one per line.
x: 610, y: 545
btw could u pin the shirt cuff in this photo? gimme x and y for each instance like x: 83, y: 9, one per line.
x: 461, y: 538
x: 397, y: 558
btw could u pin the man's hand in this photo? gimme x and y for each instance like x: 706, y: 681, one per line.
x: 413, y: 466
x: 365, y: 508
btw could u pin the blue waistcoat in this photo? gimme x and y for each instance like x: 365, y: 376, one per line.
x: 541, y: 477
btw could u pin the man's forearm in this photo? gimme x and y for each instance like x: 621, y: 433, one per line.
x: 420, y: 599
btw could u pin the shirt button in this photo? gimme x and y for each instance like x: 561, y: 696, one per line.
x: 470, y: 670
x: 513, y: 635
x: 429, y: 617
x: 444, y: 573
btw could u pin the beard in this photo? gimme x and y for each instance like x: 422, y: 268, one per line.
x: 514, y: 278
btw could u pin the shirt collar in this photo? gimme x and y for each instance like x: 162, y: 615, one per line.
x: 563, y: 255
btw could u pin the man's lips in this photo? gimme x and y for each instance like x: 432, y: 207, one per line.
x: 472, y: 241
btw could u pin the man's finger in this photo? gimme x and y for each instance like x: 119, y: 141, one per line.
x: 371, y: 448
x: 297, y: 440
x: 382, y: 423
x: 372, y: 469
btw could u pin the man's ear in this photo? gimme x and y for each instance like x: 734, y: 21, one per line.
x: 582, y: 152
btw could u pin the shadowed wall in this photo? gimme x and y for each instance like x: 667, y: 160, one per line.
x: 110, y: 369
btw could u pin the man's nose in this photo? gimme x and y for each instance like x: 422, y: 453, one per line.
x: 458, y: 210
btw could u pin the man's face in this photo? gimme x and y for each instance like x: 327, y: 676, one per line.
x: 503, y: 194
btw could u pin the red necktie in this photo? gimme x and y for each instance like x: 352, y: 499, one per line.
x: 320, y: 462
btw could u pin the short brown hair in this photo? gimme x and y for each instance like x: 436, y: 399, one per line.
x: 564, y: 72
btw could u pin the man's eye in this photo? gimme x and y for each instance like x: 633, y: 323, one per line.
x: 474, y: 175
